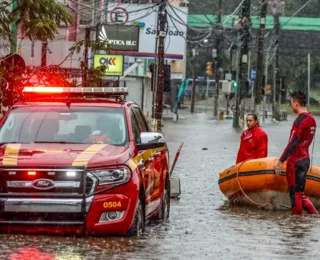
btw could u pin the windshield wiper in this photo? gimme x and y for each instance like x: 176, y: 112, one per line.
x: 13, y: 143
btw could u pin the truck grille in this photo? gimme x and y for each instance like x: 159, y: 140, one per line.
x: 45, y: 196
x: 46, y: 181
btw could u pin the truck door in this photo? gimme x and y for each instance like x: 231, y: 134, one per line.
x: 147, y: 167
x: 155, y: 159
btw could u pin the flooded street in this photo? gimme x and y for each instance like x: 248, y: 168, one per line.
x: 201, y: 225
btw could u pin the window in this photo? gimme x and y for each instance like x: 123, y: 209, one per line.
x: 49, y: 124
x: 135, y: 127
x: 141, y: 120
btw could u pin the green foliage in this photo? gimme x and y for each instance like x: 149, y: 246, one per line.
x: 93, y: 45
x: 40, y: 19
x: 295, y: 70
x: 95, y: 75
x: 5, y: 32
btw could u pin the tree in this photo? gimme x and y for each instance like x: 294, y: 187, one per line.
x: 5, y: 32
x: 95, y: 75
x: 40, y: 20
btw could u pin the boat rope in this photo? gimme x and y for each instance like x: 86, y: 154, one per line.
x: 312, y: 151
x: 270, y: 201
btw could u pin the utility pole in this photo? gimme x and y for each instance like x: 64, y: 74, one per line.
x: 236, y: 115
x: 162, y: 21
x: 195, y: 54
x: 193, y: 89
x: 309, y: 79
x: 260, y: 55
x: 266, y: 73
x: 14, y: 30
x: 44, y: 49
x: 86, y: 63
x: 243, y: 62
x: 276, y: 104
x: 218, y: 59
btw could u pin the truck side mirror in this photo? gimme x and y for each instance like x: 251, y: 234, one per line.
x: 151, y: 140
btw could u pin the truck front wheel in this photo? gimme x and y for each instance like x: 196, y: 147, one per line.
x: 138, y: 224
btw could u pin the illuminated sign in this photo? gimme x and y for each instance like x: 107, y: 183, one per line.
x: 113, y: 64
x: 120, y: 37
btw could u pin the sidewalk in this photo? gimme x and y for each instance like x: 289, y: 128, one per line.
x: 185, y: 114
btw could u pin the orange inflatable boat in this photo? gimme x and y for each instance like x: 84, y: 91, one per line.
x: 254, y: 182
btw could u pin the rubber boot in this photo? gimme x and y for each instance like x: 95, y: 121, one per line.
x: 308, y: 206
x: 297, y: 205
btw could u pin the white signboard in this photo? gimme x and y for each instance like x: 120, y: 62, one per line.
x: 146, y: 17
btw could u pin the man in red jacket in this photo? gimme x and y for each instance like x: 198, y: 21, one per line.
x: 254, y: 141
x: 297, y: 154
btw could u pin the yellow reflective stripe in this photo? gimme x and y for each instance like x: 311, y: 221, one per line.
x: 11, y: 154
x: 84, y: 157
x: 49, y: 151
x: 145, y: 155
x: 134, y: 162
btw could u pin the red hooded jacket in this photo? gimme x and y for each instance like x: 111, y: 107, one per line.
x: 254, y: 145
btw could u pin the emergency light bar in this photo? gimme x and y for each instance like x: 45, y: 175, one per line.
x: 52, y: 90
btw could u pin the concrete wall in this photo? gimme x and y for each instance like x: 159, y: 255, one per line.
x: 139, y: 93
x: 58, y: 50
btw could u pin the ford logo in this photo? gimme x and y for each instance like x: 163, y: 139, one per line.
x: 43, y: 184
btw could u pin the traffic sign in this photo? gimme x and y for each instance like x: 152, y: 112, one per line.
x: 253, y: 74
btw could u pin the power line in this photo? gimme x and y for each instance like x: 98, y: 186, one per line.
x: 190, y: 15
x: 191, y: 41
x: 260, y: 6
x: 300, y: 9
x: 234, y: 12
x: 206, y: 16
x: 278, y: 36
x: 209, y: 28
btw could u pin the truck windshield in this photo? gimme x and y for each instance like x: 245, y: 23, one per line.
x: 65, y: 125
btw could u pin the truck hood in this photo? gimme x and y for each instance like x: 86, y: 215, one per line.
x: 64, y: 155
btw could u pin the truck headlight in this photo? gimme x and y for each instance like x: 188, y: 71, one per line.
x: 112, y: 176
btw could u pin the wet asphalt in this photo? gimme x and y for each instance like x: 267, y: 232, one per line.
x: 202, y: 225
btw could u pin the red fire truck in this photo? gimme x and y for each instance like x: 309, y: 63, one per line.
x: 81, y: 161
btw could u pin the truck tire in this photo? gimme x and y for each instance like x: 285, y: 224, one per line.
x: 138, y: 224
x: 164, y: 212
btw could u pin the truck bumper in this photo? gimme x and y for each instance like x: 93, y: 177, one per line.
x: 110, y: 214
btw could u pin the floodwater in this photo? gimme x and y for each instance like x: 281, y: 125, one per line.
x: 202, y: 225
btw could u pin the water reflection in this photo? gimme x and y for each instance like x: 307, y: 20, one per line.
x: 285, y: 235
x: 299, y: 235
x: 61, y: 248
x: 30, y: 253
